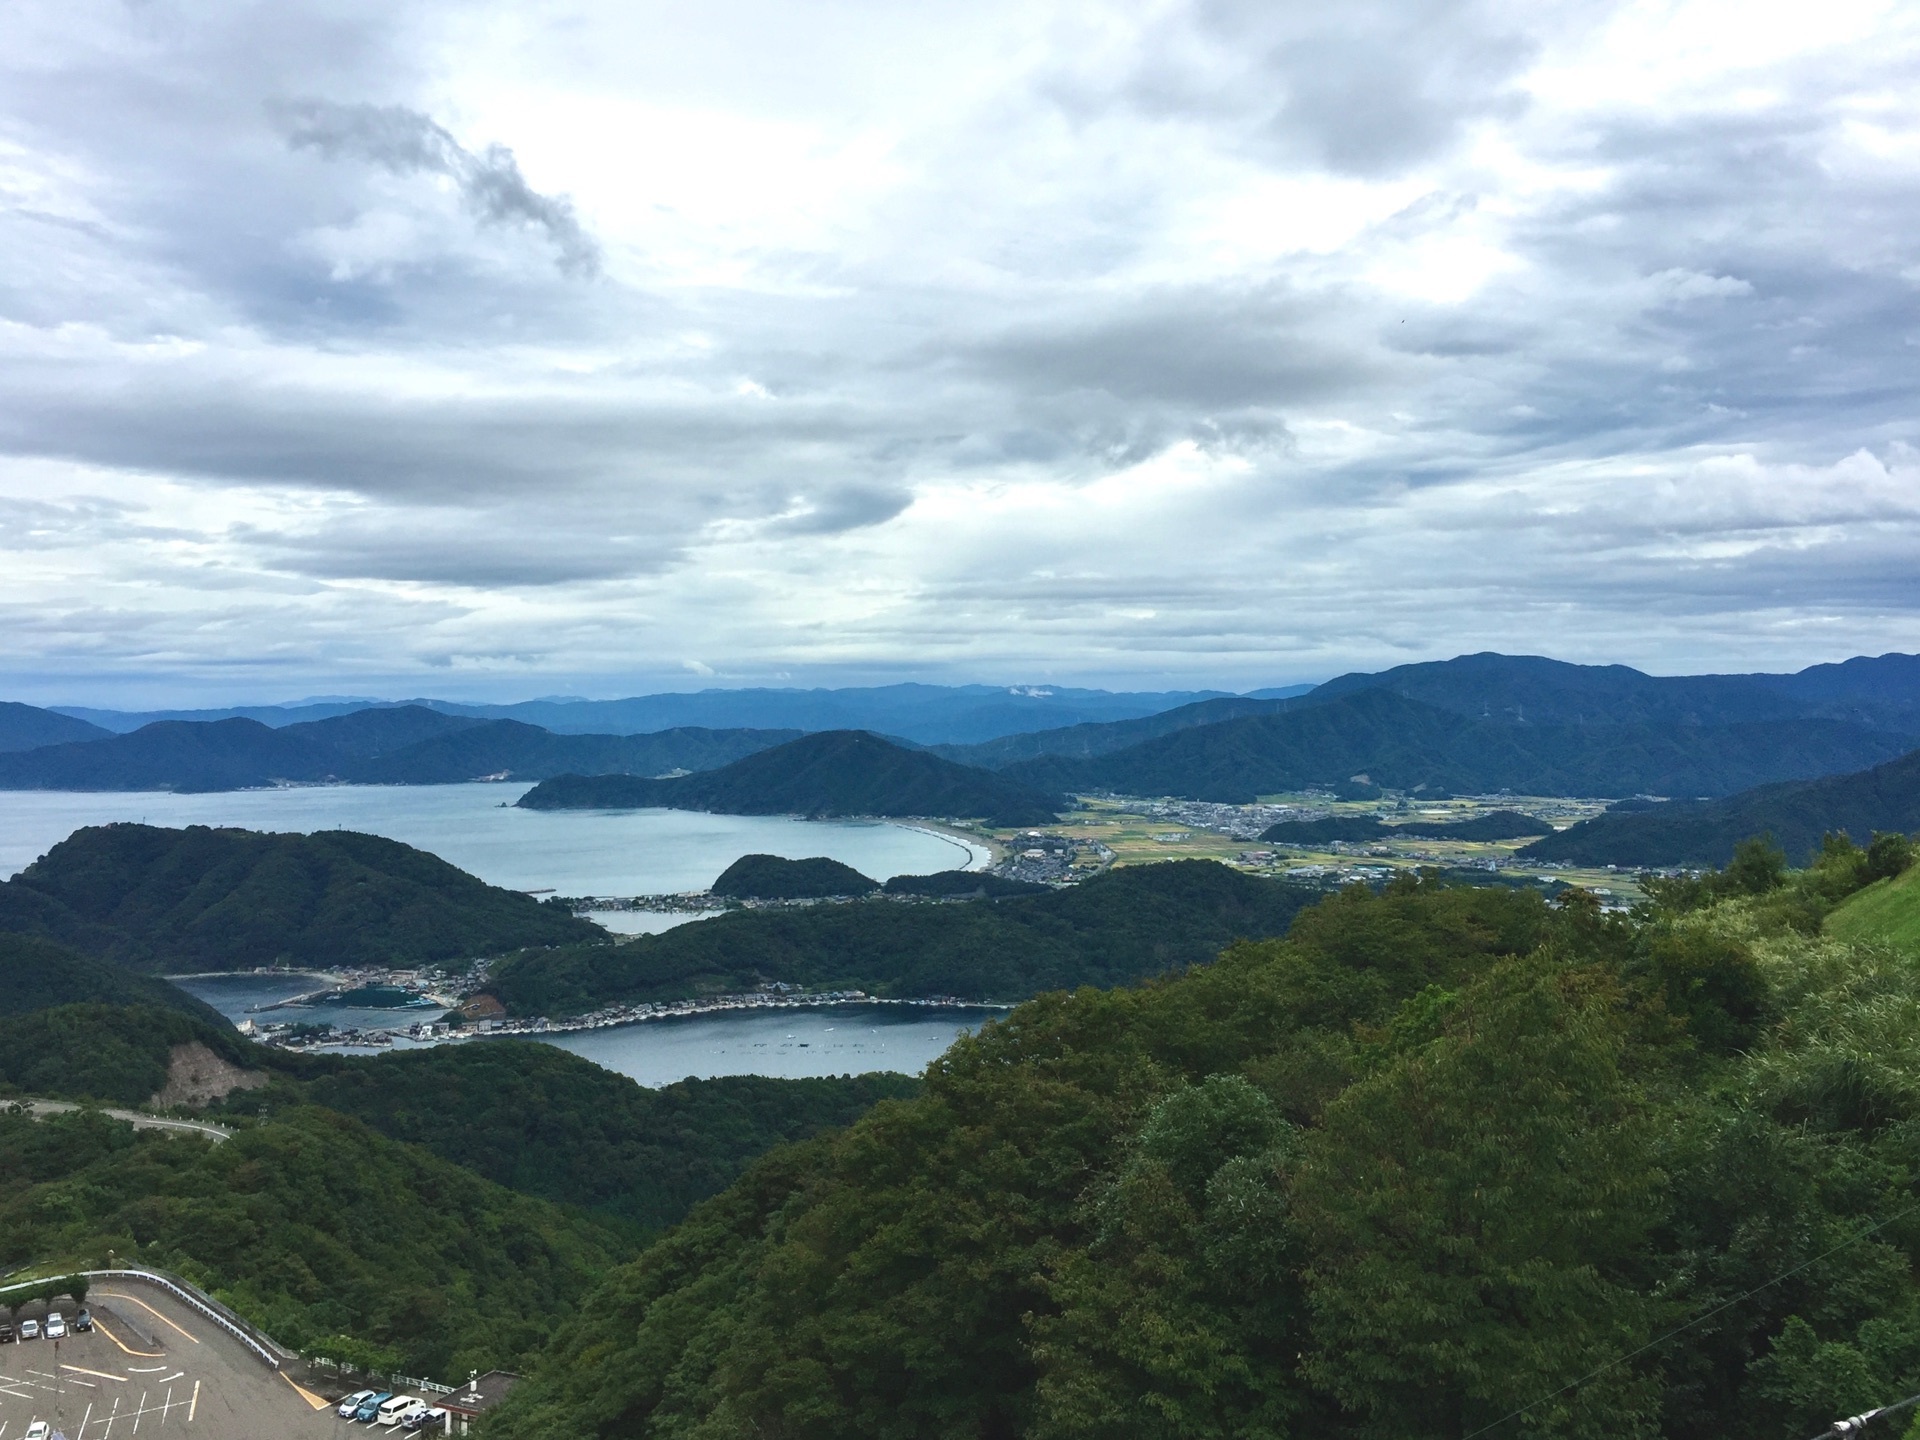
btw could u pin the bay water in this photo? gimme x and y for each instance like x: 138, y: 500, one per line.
x: 569, y: 852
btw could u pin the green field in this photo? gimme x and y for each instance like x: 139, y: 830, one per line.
x: 1137, y: 839
x: 1887, y: 912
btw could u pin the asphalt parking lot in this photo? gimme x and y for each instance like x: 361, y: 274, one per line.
x: 151, y: 1367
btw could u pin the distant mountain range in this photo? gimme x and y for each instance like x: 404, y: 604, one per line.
x: 23, y: 727
x: 1796, y: 814
x: 1479, y: 723
x: 925, y: 714
x: 408, y: 745
x: 1409, y: 745
x: 838, y: 772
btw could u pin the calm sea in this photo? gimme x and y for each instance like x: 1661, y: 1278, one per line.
x: 573, y: 852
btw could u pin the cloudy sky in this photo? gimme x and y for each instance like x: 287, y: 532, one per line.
x: 493, y: 350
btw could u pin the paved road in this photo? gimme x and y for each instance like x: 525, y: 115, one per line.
x: 140, y: 1122
x: 151, y: 1366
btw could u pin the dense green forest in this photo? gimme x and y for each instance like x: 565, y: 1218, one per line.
x: 312, y: 1226
x: 1113, y: 929
x: 769, y: 877
x: 1409, y: 745
x: 112, y: 1053
x: 404, y: 1164
x: 962, y: 885
x: 1797, y: 814
x: 36, y: 974
x: 547, y: 1123
x: 1442, y: 1162
x: 204, y: 899
x: 836, y: 772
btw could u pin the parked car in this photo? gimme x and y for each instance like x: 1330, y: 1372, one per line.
x: 56, y: 1325
x: 38, y: 1430
x: 29, y: 1329
x: 6, y: 1332
x: 353, y: 1402
x: 398, y: 1408
x: 82, y: 1321
x: 370, y: 1407
x: 432, y: 1418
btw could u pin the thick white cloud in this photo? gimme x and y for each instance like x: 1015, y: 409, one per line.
x: 487, y: 348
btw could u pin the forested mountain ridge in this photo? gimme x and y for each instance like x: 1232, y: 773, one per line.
x: 836, y: 772
x: 526, y: 752
x: 545, y: 1122
x: 925, y: 714
x: 1882, y: 692
x: 1409, y: 745
x: 1797, y: 814
x: 1113, y: 929
x: 37, y: 974
x: 1438, y: 1156
x: 26, y: 727
x: 389, y: 745
x: 1102, y: 738
x: 203, y: 899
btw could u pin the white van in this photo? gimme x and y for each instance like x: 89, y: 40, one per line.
x: 398, y: 1408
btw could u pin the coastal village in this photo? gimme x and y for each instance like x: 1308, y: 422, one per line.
x: 435, y: 1006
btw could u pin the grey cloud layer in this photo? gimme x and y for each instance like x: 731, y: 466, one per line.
x: 377, y: 338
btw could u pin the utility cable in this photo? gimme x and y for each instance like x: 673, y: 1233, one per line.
x: 1855, y: 1424
x: 1700, y: 1319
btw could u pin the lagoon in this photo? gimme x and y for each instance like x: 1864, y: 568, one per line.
x: 794, y: 1044
x: 474, y: 826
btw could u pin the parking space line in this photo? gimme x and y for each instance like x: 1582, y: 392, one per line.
x: 99, y: 1374
x: 141, y: 1411
x: 196, y: 1402
x: 86, y: 1417
x: 101, y: 1326
x: 116, y: 1295
x: 145, y: 1369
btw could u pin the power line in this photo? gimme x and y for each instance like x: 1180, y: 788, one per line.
x: 1699, y: 1319
x: 1857, y: 1423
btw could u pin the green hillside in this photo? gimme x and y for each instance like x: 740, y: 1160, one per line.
x: 1887, y: 912
x: 1796, y: 814
x: 117, y: 1054
x: 204, y: 899
x: 769, y: 877
x: 836, y: 772
x: 1113, y: 929
x: 36, y: 974
x: 1438, y: 1156
x: 1406, y: 744
x: 547, y: 1123
x: 311, y: 1225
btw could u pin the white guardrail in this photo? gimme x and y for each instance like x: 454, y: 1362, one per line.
x: 195, y: 1300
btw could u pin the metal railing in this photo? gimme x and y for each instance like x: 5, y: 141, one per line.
x: 195, y: 1299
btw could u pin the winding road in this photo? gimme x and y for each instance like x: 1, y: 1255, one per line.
x: 37, y: 1108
